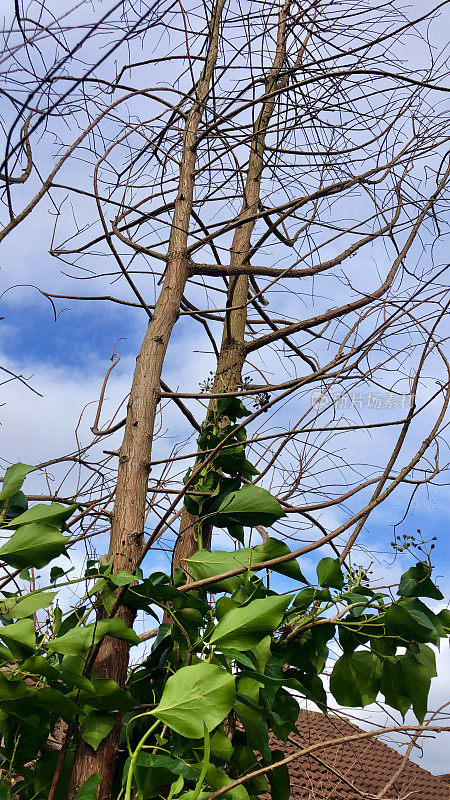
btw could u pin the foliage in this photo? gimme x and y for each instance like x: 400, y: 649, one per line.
x: 227, y: 668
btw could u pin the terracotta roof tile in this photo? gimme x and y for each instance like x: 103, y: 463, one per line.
x: 357, y: 770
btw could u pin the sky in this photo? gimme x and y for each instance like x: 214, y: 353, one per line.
x: 63, y: 362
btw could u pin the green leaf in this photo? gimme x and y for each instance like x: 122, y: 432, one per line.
x: 362, y: 600
x: 233, y: 461
x: 355, y: 679
x: 231, y: 407
x: 11, y: 693
x: 237, y: 532
x: 329, y: 573
x: 20, y: 637
x: 350, y: 638
x: 262, y: 651
x: 246, y: 761
x: 273, y: 548
x: 38, y: 665
x: 251, y: 714
x: 78, y: 640
x: 52, y: 701
x: 279, y: 780
x: 205, y: 763
x: 153, y: 771
x: 310, y: 686
x: 416, y: 680
x: 55, y: 573
x: 105, y: 694
x: 13, y: 480
x: 52, y: 514
x: 309, y: 652
x: 250, y: 505
x: 173, y: 765
x: 75, y: 680
x: 96, y: 726
x: 204, y: 564
x: 416, y: 582
x: 407, y: 678
x: 244, y: 627
x: 217, y: 779
x: 22, y: 742
x: 308, y: 596
x: 191, y: 619
x: 235, y: 655
x: 392, y: 685
x: 19, y: 607
x: 5, y: 654
x: 176, y: 786
x: 33, y: 545
x: 15, y: 505
x: 221, y: 747
x: 72, y: 620
x: 410, y: 619
x: 88, y: 791
x: 287, y: 711
x: 121, y: 578
x: 106, y: 594
x: 444, y: 618
x: 198, y: 695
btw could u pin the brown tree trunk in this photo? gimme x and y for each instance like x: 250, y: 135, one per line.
x: 126, y: 542
x: 232, y: 350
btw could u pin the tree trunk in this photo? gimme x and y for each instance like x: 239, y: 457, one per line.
x: 232, y: 350
x: 127, y: 532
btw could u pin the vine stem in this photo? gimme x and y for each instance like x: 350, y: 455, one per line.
x: 60, y: 763
x: 133, y: 758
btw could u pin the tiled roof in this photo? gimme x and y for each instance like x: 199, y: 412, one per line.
x: 357, y: 770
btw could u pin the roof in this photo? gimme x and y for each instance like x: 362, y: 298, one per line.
x: 357, y: 770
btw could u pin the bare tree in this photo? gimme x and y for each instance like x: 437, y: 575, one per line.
x: 272, y: 182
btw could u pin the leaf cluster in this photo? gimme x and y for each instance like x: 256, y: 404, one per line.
x: 228, y: 666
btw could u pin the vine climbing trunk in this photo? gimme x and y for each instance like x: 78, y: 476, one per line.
x: 127, y: 537
x: 232, y: 353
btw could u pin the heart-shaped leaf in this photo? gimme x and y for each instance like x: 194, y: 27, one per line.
x: 20, y: 637
x: 88, y: 791
x: 198, y: 695
x: 77, y: 641
x: 250, y: 505
x: 411, y: 619
x: 13, y: 480
x: 329, y: 573
x: 245, y: 627
x: 19, y: 607
x: 279, y: 780
x: 355, y: 679
x: 96, y: 726
x: 33, y: 545
x: 416, y: 582
x: 52, y: 514
x: 205, y: 564
x: 273, y: 548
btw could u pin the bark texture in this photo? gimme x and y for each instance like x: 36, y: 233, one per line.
x: 232, y: 349
x: 126, y: 541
